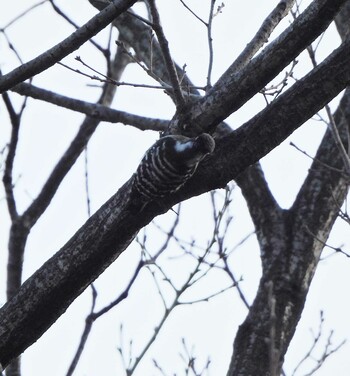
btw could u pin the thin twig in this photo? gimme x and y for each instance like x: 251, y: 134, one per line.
x: 337, y: 249
x: 325, y: 165
x: 22, y: 14
x: 331, y: 123
x: 261, y: 37
x: 93, y: 316
x: 233, y: 278
x: 12, y: 47
x: 123, y: 295
x: 326, y: 352
x: 193, y: 13
x: 12, y: 147
x: 86, y: 178
x: 276, y: 89
x: 210, y: 43
x: 210, y: 296
x: 76, y: 26
x: 65, y: 47
x: 132, y: 14
x: 149, y: 71
x: 343, y: 153
x: 84, y: 336
x: 94, y: 110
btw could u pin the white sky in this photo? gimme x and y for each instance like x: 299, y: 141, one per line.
x: 114, y: 153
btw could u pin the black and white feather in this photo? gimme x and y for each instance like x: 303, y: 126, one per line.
x: 169, y: 163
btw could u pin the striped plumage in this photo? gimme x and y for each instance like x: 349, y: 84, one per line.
x: 169, y: 163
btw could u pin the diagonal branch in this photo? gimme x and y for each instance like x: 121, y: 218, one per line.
x: 76, y: 26
x: 68, y: 45
x: 276, y: 122
x: 261, y: 37
x: 232, y: 91
x: 78, y: 144
x: 47, y: 294
x: 93, y: 110
x: 169, y: 63
x: 315, y: 190
x: 8, y: 178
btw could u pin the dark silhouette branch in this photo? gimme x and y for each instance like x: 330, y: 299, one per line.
x: 94, y: 110
x: 93, y: 316
x: 58, y: 10
x: 64, y: 48
x: 78, y: 144
x: 164, y: 46
x: 262, y: 36
x: 48, y: 293
x: 22, y: 225
x: 234, y: 89
x: 7, y: 177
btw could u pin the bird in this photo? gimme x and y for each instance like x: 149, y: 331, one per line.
x: 168, y: 164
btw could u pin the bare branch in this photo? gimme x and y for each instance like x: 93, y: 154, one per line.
x: 84, y: 336
x: 149, y: 70
x: 261, y: 37
x: 11, y: 46
x: 210, y: 43
x: 123, y: 295
x: 93, y: 316
x: 337, y: 139
x: 324, y: 244
x: 193, y: 13
x: 317, y: 160
x: 12, y: 147
x: 22, y: 14
x: 64, y: 48
x: 263, y: 68
x: 164, y: 45
x: 327, y: 351
x: 109, y: 80
x: 94, y: 110
x: 76, y: 26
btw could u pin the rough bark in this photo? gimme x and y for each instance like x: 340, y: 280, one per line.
x: 288, y: 242
x: 22, y: 224
x: 291, y: 242
x: 48, y: 293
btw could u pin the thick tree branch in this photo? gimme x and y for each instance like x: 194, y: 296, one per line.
x: 47, y: 294
x: 264, y: 210
x: 321, y: 184
x: 22, y: 225
x: 93, y: 110
x: 234, y: 89
x: 105, y: 52
x: 290, y: 255
x: 262, y: 36
x: 342, y: 21
x: 68, y: 45
x: 276, y: 122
